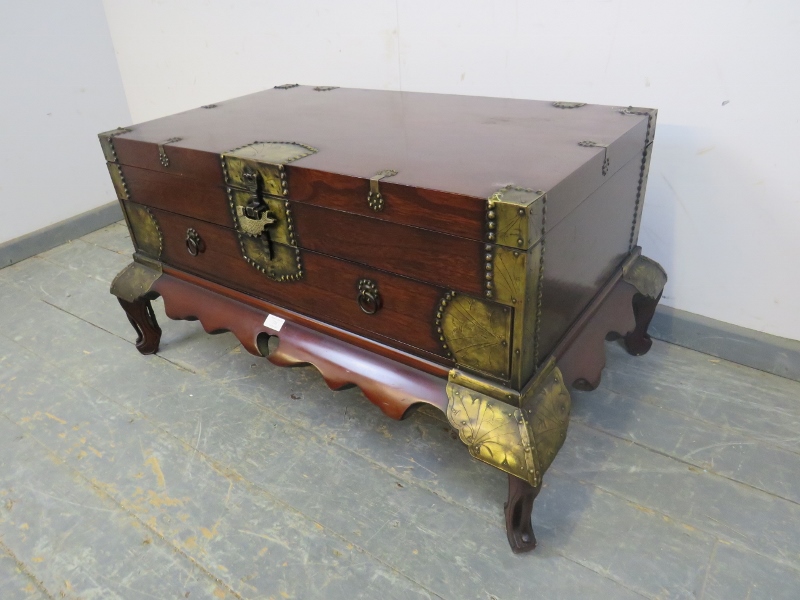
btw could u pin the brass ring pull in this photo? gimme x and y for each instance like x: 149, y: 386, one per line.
x: 194, y: 244
x: 369, y: 300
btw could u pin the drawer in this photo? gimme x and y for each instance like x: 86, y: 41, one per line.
x: 328, y: 290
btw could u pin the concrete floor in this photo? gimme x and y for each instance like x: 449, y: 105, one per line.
x: 204, y: 472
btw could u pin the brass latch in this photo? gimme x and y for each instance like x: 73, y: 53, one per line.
x: 258, y: 190
x: 591, y: 144
x: 162, y: 153
x: 255, y: 216
x: 374, y: 198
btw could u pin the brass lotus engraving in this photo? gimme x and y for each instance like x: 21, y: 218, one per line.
x: 490, y: 429
x: 477, y: 333
x: 144, y: 226
x: 521, y: 440
x: 547, y: 411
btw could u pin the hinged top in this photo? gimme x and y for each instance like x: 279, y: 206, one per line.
x: 465, y: 147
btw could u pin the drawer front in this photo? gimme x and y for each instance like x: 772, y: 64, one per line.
x: 417, y: 317
x: 404, y: 310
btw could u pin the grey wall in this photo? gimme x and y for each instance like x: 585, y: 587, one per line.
x: 60, y: 86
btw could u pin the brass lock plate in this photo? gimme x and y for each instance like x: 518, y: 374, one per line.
x: 257, y: 191
x: 266, y: 159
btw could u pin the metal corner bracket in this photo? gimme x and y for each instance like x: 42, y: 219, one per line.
x: 136, y: 280
x: 517, y: 432
x: 646, y: 275
x: 515, y: 216
x: 107, y: 142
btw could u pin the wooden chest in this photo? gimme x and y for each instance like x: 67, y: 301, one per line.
x: 457, y: 246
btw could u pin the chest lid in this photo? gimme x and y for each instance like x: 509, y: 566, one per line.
x: 473, y: 167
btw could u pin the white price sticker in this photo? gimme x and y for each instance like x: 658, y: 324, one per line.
x: 274, y: 322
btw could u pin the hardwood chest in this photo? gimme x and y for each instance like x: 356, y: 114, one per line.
x: 469, y: 253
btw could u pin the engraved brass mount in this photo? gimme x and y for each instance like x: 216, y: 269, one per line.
x: 476, y: 333
x: 147, y: 235
x: 517, y: 432
x: 257, y: 196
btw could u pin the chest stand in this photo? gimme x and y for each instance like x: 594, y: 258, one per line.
x: 519, y: 432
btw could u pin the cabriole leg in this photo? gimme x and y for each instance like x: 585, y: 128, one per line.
x: 649, y: 278
x: 638, y: 342
x: 518, y: 509
x: 133, y: 288
x: 143, y: 319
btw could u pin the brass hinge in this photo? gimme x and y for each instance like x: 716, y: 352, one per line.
x: 561, y: 104
x: 591, y: 144
x: 374, y: 198
x: 162, y: 153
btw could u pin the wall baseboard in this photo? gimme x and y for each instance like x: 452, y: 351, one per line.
x: 54, y: 235
x: 770, y: 353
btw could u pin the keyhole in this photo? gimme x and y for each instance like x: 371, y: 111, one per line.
x: 265, y: 237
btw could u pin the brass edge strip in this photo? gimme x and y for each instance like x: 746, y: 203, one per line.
x: 107, y: 142
x: 539, y: 286
x: 643, y: 171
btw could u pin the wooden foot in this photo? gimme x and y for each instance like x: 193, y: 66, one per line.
x: 143, y: 319
x: 637, y: 342
x: 518, y: 508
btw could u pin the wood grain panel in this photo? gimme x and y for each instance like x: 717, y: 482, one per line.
x: 449, y: 261
x: 178, y: 194
x: 328, y: 290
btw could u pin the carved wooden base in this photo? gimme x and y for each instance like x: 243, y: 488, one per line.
x: 518, y: 508
x: 516, y: 431
x: 143, y: 319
